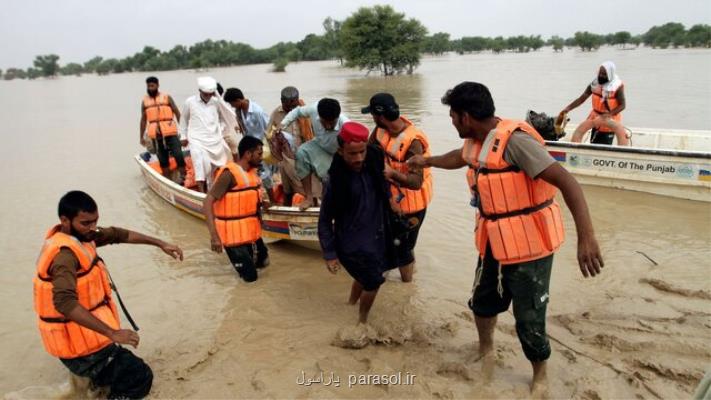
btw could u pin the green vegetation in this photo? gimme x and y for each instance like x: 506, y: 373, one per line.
x: 380, y: 39
x: 373, y: 38
x: 280, y: 64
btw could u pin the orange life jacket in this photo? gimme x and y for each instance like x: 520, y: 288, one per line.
x: 518, y: 216
x: 305, y: 128
x: 601, y: 106
x: 236, y: 213
x: 61, y: 337
x: 395, y: 149
x: 160, y: 116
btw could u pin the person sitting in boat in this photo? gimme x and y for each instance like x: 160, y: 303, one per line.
x: 608, y: 101
x: 231, y: 210
x: 77, y: 316
x: 283, y: 145
x: 352, y: 226
x: 315, y: 156
x: 160, y: 115
x: 200, y: 127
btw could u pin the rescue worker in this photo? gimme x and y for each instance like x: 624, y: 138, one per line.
x: 410, y: 188
x: 608, y: 101
x: 77, y: 316
x: 513, y: 181
x: 232, y: 211
x: 353, y: 222
x: 160, y: 115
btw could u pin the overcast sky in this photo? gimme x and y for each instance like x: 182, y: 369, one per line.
x: 78, y: 30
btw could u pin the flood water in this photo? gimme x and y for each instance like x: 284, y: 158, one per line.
x: 638, y: 329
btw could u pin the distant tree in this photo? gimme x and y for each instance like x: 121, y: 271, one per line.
x: 498, y: 44
x: 621, y: 38
x: 34, y: 73
x: 47, y: 64
x: 106, y: 66
x: 332, y: 37
x: 72, y: 69
x: 474, y: 43
x: 90, y: 66
x: 378, y: 38
x: 0, y: 74
x: 570, y: 42
x: 14, y: 73
x: 588, y: 41
x: 557, y: 42
x: 699, y: 36
x: 437, y: 44
x: 663, y: 36
x: 280, y: 64
x: 636, y: 40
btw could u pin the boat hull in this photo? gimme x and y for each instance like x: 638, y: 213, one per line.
x: 679, y: 174
x: 278, y: 223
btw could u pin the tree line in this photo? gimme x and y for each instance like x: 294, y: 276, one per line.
x: 373, y: 39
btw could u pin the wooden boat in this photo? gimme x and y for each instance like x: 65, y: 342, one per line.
x: 675, y: 163
x: 278, y: 223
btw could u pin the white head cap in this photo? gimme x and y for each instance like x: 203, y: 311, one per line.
x: 207, y: 84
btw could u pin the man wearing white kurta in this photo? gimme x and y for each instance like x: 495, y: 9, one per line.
x: 200, y: 126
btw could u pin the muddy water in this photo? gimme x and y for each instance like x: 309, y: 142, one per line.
x: 637, y: 330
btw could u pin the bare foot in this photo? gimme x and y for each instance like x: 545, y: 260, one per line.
x: 488, y: 361
x: 539, y: 390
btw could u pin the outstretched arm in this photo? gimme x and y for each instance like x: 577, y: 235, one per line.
x: 169, y: 249
x: 580, y: 100
x: 589, y: 256
x: 450, y: 160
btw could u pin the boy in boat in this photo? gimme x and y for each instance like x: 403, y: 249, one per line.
x: 352, y: 228
x: 231, y: 210
x: 77, y: 316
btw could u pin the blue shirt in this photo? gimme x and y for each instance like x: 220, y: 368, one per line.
x: 326, y: 139
x: 255, y: 120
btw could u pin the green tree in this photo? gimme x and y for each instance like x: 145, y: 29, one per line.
x: 473, y: 43
x: 47, y: 64
x: 588, y: 41
x: 72, y: 69
x: 636, y: 40
x: 378, y: 38
x: 621, y: 38
x: 557, y: 42
x: 14, y: 73
x: 280, y: 64
x: 664, y: 35
x: 90, y: 66
x: 699, y: 36
x: 437, y: 44
x: 332, y: 37
x: 498, y: 44
x: 34, y: 73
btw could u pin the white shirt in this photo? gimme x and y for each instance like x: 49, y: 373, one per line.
x: 200, y: 125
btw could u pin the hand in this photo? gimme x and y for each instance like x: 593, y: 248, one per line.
x: 266, y: 204
x: 184, y: 142
x: 216, y: 244
x: 124, y: 336
x: 172, y: 250
x: 143, y: 142
x: 417, y: 160
x: 389, y: 173
x: 589, y: 257
x: 333, y: 265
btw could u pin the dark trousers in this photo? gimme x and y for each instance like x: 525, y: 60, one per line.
x: 166, y: 146
x: 126, y: 375
x: 247, y: 258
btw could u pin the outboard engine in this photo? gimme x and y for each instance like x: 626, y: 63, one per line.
x: 545, y: 125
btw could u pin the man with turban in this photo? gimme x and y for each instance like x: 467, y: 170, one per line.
x: 200, y: 126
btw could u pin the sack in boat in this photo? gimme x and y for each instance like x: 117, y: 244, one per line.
x: 545, y: 125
